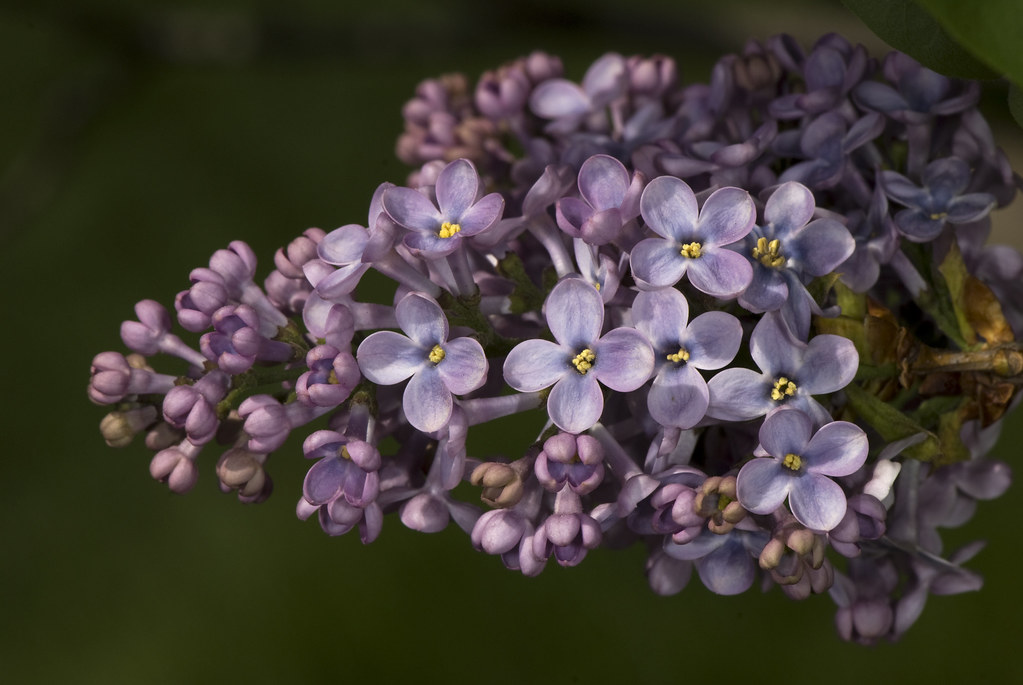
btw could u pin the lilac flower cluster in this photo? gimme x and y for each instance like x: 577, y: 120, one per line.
x: 751, y: 324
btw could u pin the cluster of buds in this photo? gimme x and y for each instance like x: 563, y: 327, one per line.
x: 753, y: 325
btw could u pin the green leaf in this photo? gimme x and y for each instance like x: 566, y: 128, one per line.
x: 908, y: 27
x: 955, y: 273
x: 1016, y: 103
x: 892, y: 424
x: 991, y: 30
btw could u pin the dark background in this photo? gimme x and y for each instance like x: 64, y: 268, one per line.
x: 135, y: 140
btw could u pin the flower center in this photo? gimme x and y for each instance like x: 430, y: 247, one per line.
x: 448, y: 229
x: 939, y: 216
x: 583, y: 361
x: 679, y: 357
x: 691, y: 250
x: 783, y: 388
x: 769, y: 253
x: 437, y: 354
x: 792, y: 461
x: 345, y: 454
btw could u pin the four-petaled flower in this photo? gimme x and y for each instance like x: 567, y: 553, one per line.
x: 621, y: 359
x: 798, y: 467
x: 439, y: 368
x: 693, y: 240
x: 679, y: 395
x: 460, y: 212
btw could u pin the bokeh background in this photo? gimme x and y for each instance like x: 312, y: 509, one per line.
x: 139, y: 137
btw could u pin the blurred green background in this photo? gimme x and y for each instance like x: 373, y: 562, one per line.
x: 138, y: 138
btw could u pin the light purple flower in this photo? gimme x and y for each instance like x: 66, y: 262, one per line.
x: 573, y: 460
x: 679, y: 395
x: 460, y: 212
x: 609, y: 199
x: 726, y: 562
x: 791, y: 373
x: 622, y: 359
x: 346, y: 469
x: 568, y: 103
x: 438, y: 367
x: 798, y: 468
x: 788, y: 250
x: 692, y: 240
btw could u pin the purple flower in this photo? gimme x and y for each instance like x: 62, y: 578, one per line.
x: 332, y: 375
x: 568, y: 103
x: 725, y: 562
x: 346, y: 469
x: 692, y: 241
x: 788, y: 250
x: 459, y: 213
x: 438, y: 367
x: 235, y: 343
x: 798, y: 468
x: 679, y: 395
x: 194, y: 407
x: 940, y: 201
x: 791, y: 373
x: 610, y: 198
x: 573, y: 460
x: 918, y: 93
x: 622, y: 359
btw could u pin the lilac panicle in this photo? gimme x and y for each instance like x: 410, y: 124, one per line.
x: 676, y: 382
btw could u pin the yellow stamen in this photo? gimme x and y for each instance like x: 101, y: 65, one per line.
x: 938, y: 216
x: 792, y: 461
x: 783, y: 388
x: 583, y: 361
x: 691, y: 250
x: 681, y: 356
x: 345, y: 454
x: 437, y: 354
x: 448, y: 229
x: 769, y: 253
x: 597, y: 286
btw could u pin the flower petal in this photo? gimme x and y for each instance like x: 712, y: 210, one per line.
x: 739, y: 395
x: 411, y: 209
x: 624, y: 359
x: 387, y: 357
x: 464, y: 367
x: 458, y: 184
x: 657, y: 262
x: 661, y: 315
x: 839, y: 448
x: 536, y: 364
x: 762, y: 485
x: 720, y: 272
x: 427, y: 402
x: 712, y: 340
x: 790, y: 207
x: 678, y: 397
x: 422, y: 319
x: 575, y: 313
x: 575, y: 402
x: 669, y: 208
x: 786, y: 431
x: 817, y: 502
x: 727, y: 216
